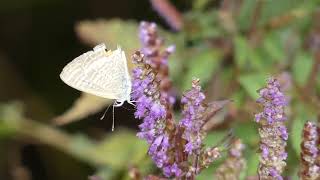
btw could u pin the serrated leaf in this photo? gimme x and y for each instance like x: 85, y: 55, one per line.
x: 253, y: 82
x: 302, y: 67
x: 202, y: 65
x: 84, y: 106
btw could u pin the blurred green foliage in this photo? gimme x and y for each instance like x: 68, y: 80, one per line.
x: 232, y: 47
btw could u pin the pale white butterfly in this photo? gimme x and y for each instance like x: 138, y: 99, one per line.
x: 101, y: 73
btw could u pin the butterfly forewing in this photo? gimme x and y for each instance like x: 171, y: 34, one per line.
x: 100, y: 73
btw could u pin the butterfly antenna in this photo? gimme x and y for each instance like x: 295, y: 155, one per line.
x: 104, y: 114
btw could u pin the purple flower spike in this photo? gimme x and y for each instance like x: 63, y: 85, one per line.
x: 192, y: 120
x: 157, y: 57
x: 309, y: 168
x: 273, y: 132
x: 149, y: 108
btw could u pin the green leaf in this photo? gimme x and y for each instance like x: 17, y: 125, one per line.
x: 241, y: 51
x: 252, y: 163
x: 214, y: 137
x: 256, y: 59
x: 248, y: 133
x: 251, y: 136
x: 12, y: 111
x: 200, y: 4
x: 272, y: 10
x: 10, y: 114
x: 116, y: 32
x: 295, y: 134
x: 246, y: 11
x: 201, y: 26
x: 202, y: 65
x: 238, y: 98
x: 106, y: 173
x: 122, y: 148
x: 272, y: 44
x: 302, y: 67
x: 253, y: 82
x: 248, y: 57
x: 111, y: 32
x: 208, y: 173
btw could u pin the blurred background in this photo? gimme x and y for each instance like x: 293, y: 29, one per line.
x: 51, y: 131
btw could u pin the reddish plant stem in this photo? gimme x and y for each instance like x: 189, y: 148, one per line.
x: 170, y: 14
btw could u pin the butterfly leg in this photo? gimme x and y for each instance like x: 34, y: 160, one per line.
x: 114, y: 105
x: 132, y: 103
x: 118, y: 103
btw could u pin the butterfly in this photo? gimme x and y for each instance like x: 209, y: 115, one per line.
x: 101, y: 73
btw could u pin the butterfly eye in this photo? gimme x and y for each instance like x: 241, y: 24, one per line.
x: 100, y: 47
